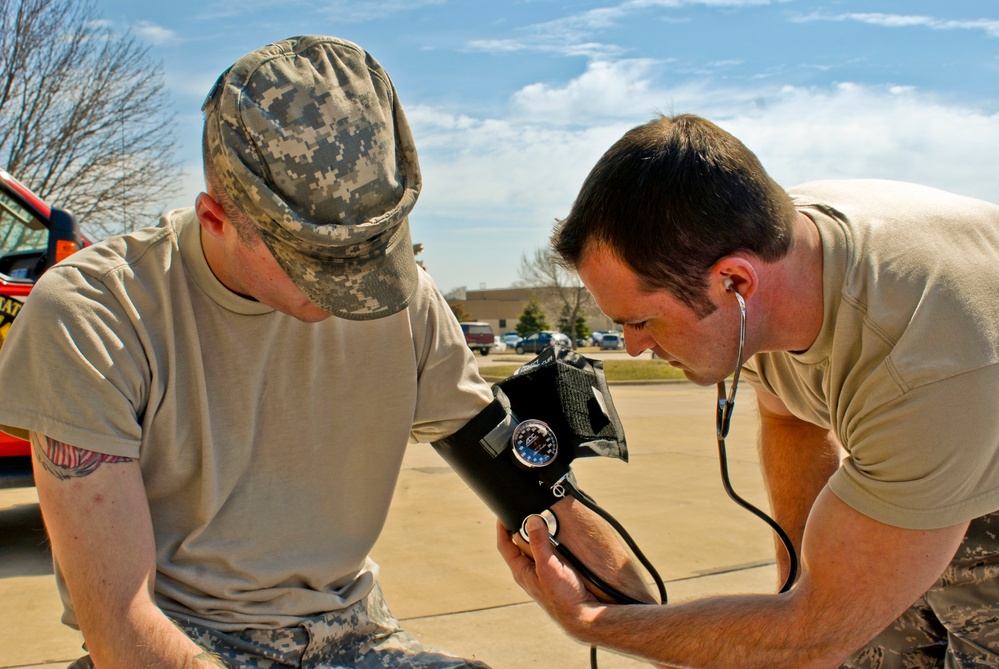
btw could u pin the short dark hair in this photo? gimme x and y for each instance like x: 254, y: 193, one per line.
x: 671, y: 198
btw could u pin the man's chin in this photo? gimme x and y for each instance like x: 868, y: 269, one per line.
x: 699, y: 379
x: 693, y: 376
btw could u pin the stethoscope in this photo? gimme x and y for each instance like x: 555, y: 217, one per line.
x: 723, y: 421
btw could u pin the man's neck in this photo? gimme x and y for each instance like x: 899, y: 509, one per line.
x: 793, y: 303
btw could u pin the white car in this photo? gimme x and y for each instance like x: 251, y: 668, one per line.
x: 611, y: 341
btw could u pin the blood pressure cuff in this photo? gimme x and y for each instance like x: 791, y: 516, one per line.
x: 561, y: 388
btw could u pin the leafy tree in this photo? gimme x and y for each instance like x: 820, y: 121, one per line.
x: 459, y: 312
x: 84, y: 116
x: 579, y: 330
x: 532, y: 319
x: 575, y: 330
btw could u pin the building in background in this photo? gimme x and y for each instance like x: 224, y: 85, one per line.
x: 501, y: 307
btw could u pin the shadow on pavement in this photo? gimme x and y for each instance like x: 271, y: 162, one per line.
x: 23, y: 542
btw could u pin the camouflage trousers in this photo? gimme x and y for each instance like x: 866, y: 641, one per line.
x: 955, y: 625
x: 365, y: 635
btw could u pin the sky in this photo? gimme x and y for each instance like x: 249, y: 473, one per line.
x: 512, y: 102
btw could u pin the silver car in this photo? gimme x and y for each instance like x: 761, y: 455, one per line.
x: 611, y: 341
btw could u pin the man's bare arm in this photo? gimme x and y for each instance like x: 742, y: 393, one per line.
x: 797, y: 459
x: 858, y: 575
x: 600, y: 548
x: 66, y: 462
x: 97, y: 517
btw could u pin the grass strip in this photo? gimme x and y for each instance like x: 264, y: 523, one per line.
x: 616, y: 370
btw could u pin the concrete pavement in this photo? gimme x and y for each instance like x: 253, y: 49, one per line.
x: 440, y: 570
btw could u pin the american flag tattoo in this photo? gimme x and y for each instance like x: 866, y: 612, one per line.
x: 66, y: 462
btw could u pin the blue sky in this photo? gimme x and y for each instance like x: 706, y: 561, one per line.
x: 512, y: 102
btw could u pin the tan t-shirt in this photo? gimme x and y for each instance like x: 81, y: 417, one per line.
x: 269, y: 447
x: 905, y: 368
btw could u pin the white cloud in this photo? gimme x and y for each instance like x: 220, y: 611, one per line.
x: 493, y: 167
x: 573, y: 35
x: 846, y: 130
x: 605, y: 89
x: 859, y: 131
x: 499, y: 183
x: 155, y: 34
x: 989, y: 26
x: 546, y: 44
x: 351, y: 11
x: 705, y: 3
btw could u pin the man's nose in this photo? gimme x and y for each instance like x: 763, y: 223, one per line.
x: 636, y: 341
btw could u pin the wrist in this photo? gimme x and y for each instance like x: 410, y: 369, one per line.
x: 585, y: 624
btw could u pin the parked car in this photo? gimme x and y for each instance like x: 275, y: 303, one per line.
x: 498, y: 344
x: 33, y: 237
x: 539, y: 341
x: 611, y: 341
x: 511, y: 338
x: 479, y: 337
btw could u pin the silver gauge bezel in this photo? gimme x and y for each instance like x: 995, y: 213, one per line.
x: 519, y: 435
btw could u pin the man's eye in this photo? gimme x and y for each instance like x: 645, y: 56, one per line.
x: 639, y: 325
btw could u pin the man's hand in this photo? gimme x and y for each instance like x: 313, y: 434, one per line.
x: 554, y: 585
x: 857, y: 576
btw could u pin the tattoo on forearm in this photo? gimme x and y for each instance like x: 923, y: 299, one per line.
x: 66, y: 462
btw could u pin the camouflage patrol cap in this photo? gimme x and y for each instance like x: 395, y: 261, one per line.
x: 308, y: 138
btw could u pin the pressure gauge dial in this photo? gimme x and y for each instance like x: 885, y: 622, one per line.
x: 534, y: 444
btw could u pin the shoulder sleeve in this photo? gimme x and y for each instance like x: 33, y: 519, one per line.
x: 927, y: 459
x: 73, y: 366
x: 450, y: 390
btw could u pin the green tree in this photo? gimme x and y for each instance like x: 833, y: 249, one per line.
x: 459, y: 312
x: 582, y: 329
x: 533, y: 318
x: 574, y: 330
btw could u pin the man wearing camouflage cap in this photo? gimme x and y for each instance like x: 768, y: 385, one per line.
x: 231, y: 450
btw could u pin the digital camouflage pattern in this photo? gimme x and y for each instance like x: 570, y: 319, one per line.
x: 365, y: 635
x: 309, y: 139
x: 955, y: 625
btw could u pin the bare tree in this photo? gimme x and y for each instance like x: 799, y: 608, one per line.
x: 559, y: 289
x: 84, y: 117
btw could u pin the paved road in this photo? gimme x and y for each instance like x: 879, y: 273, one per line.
x: 440, y: 570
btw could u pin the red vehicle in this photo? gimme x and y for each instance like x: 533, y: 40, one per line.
x: 33, y: 237
x: 479, y: 337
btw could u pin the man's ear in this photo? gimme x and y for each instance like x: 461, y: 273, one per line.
x: 735, y: 273
x: 211, y: 214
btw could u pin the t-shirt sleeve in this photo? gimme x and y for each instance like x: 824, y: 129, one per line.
x: 927, y: 459
x: 450, y: 392
x: 73, y: 367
